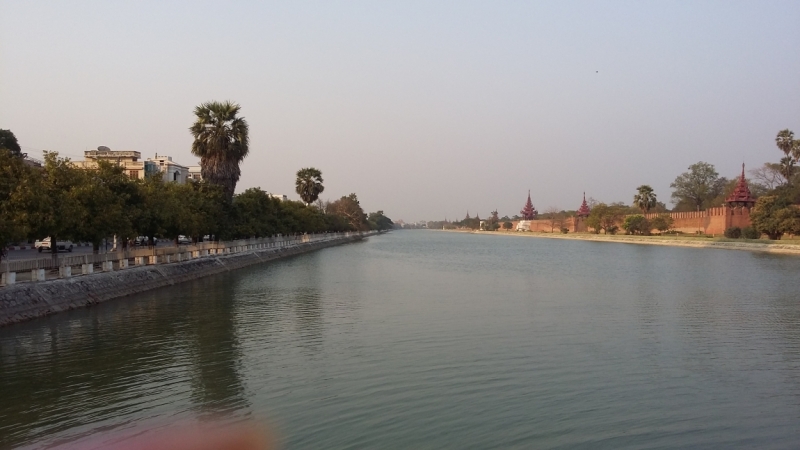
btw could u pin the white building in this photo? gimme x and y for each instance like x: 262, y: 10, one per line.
x: 195, y: 173
x: 280, y: 197
x: 170, y: 170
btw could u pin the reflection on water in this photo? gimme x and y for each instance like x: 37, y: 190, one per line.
x: 432, y: 340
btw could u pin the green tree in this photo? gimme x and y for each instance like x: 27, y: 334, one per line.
x: 605, y: 217
x: 49, y: 203
x: 645, y: 198
x: 774, y: 216
x: 698, y: 187
x: 9, y: 142
x: 155, y: 208
x: 309, y: 184
x: 13, y: 173
x: 378, y: 221
x: 662, y: 222
x: 256, y: 214
x: 104, y: 194
x: 507, y: 225
x: 221, y: 141
x: 636, y: 224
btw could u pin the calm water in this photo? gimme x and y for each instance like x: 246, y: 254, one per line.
x: 426, y: 339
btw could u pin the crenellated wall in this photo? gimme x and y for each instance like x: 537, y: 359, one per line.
x: 710, y: 221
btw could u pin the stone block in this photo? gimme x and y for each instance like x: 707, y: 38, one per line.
x: 108, y: 266
x: 65, y: 271
x: 123, y: 264
x: 8, y: 278
x: 87, y: 269
x: 152, y: 259
x: 139, y: 260
x: 37, y: 275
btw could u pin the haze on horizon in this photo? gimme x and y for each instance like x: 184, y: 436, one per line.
x: 426, y: 110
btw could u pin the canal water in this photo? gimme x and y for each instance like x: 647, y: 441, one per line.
x: 430, y: 340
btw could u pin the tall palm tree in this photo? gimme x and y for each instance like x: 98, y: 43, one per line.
x: 785, y: 141
x: 309, y: 184
x: 221, y: 141
x: 645, y: 199
x: 787, y: 168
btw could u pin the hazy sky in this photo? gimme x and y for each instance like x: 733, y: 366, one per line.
x: 424, y: 109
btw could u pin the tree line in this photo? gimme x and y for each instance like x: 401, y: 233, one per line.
x: 65, y: 202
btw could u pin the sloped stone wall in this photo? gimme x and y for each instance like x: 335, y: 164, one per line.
x: 25, y: 301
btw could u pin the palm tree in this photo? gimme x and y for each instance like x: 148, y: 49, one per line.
x: 309, y: 184
x: 785, y: 141
x: 221, y: 141
x: 645, y: 198
x: 787, y: 168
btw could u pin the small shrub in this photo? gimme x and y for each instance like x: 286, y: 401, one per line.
x: 733, y: 233
x: 750, y: 233
x: 565, y: 230
x: 612, y: 230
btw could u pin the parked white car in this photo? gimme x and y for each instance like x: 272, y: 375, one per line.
x: 183, y: 240
x: 44, y: 244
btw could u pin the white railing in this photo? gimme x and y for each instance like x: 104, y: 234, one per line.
x: 155, y: 255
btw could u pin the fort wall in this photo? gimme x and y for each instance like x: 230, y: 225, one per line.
x: 711, y: 221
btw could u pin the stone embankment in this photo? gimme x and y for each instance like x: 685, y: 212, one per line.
x: 24, y: 301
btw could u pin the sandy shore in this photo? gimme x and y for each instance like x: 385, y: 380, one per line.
x: 767, y: 246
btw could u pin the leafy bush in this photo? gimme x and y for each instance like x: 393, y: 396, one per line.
x: 662, y: 222
x: 636, y: 224
x: 565, y: 230
x: 775, y: 216
x: 733, y: 233
x: 750, y: 233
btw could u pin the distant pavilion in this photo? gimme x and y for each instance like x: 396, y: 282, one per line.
x: 528, y: 211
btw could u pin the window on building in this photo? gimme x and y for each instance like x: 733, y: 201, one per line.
x: 174, y: 176
x: 133, y: 174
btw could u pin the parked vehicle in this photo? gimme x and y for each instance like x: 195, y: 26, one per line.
x: 143, y: 240
x: 183, y: 240
x: 45, y: 244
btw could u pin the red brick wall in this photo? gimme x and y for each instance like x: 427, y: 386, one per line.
x: 710, y: 221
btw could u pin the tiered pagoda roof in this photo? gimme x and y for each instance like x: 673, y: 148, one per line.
x: 528, y: 211
x: 741, y: 194
x: 584, y: 210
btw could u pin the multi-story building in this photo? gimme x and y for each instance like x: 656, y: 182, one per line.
x: 133, y: 164
x: 131, y: 161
